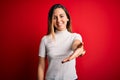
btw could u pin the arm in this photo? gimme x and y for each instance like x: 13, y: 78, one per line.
x: 76, y: 44
x: 78, y: 49
x: 41, y: 68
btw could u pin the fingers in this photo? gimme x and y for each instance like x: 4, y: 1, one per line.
x: 66, y: 60
x: 69, y: 58
x: 74, y: 55
x: 83, y: 53
x: 77, y: 53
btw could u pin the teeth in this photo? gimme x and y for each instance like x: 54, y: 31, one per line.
x: 60, y: 23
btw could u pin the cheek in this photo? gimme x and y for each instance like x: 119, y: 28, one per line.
x: 54, y: 22
x: 65, y: 21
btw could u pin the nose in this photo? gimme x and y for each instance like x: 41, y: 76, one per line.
x: 58, y: 19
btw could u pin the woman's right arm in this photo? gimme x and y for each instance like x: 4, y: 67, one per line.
x: 41, y: 68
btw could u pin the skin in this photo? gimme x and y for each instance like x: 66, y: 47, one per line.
x: 41, y: 68
x: 78, y: 49
x: 59, y: 20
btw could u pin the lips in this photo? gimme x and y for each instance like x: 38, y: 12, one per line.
x: 59, y: 24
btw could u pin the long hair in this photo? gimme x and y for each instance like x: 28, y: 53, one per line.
x: 51, y: 28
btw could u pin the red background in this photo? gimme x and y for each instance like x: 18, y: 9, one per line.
x: 23, y: 23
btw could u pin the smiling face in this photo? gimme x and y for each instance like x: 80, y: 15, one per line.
x: 59, y: 19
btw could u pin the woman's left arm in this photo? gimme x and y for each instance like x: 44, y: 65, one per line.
x: 78, y: 48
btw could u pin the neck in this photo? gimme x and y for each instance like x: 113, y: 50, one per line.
x: 62, y: 31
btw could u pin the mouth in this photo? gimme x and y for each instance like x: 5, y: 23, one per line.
x: 60, y: 24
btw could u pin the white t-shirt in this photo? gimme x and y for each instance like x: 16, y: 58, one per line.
x: 56, y: 50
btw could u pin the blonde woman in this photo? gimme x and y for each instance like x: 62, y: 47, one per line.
x: 60, y: 46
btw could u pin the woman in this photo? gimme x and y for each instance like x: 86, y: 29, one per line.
x: 60, y: 46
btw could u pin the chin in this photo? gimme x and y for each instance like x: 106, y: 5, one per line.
x: 61, y: 29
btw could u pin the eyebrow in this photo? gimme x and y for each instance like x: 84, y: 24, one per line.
x: 59, y: 14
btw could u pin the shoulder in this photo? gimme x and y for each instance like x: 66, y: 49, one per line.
x: 76, y: 34
x: 46, y: 38
x: 43, y: 38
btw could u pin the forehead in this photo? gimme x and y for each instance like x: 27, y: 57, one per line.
x: 58, y: 11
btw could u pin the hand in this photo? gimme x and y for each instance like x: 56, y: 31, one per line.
x: 78, y: 52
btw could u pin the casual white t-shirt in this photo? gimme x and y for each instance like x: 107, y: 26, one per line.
x: 56, y: 50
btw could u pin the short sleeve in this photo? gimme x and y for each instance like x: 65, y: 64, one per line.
x: 42, y: 50
x: 77, y: 37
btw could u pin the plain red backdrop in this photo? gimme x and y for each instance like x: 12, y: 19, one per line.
x: 23, y: 23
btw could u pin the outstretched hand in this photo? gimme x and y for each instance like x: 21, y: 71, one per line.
x: 78, y: 52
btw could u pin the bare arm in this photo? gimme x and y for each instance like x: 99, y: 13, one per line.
x: 78, y: 49
x: 41, y: 68
x: 76, y: 44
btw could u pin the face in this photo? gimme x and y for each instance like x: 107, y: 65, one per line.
x: 59, y: 19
